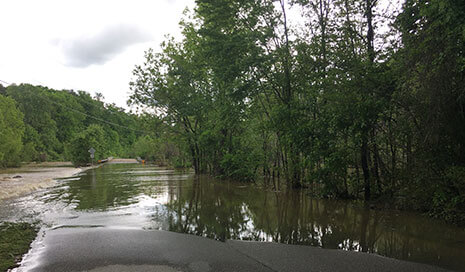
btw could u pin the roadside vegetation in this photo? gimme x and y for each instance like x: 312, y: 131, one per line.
x: 361, y: 102
x: 15, y: 239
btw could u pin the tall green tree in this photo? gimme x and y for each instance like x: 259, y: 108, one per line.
x: 11, y: 132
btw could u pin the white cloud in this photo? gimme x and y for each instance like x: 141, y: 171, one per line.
x: 101, y: 47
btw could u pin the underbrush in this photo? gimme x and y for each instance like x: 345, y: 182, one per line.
x: 15, y: 239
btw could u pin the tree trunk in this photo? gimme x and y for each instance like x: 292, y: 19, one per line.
x: 376, y: 162
x: 366, y: 171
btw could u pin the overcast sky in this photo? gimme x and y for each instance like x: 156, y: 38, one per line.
x: 82, y: 45
x: 90, y: 45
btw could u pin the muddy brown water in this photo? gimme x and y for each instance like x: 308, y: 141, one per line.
x: 149, y: 197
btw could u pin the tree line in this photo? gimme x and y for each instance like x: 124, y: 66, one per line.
x: 356, y: 101
x: 41, y: 124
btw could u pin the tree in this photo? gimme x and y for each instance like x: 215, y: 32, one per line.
x: 37, y: 110
x: 11, y: 132
x: 92, y: 137
x: 53, y: 118
x: 335, y: 104
x: 171, y: 82
x: 2, y: 90
x: 430, y: 67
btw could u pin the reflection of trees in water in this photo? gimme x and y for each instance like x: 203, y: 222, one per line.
x: 302, y: 220
x: 221, y: 210
x: 100, y: 189
x: 107, y: 187
x: 207, y: 209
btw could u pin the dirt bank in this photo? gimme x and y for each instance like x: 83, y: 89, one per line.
x: 15, y: 182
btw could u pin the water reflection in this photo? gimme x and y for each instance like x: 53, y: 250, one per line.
x: 224, y: 211
x: 157, y: 198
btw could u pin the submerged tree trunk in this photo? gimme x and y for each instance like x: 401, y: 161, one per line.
x: 375, y: 171
x: 366, y: 171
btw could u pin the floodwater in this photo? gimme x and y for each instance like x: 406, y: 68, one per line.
x: 149, y: 197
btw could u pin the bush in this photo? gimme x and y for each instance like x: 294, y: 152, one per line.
x: 449, y: 198
x: 147, y: 148
x: 78, y: 148
x: 239, y: 167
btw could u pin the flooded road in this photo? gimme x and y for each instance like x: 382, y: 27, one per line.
x: 132, y: 196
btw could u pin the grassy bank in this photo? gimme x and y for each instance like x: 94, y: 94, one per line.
x: 15, y: 239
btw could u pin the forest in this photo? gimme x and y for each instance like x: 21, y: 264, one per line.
x: 41, y: 124
x: 359, y: 100
x: 355, y: 99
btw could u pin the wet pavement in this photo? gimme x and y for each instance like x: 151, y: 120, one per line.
x: 91, y: 249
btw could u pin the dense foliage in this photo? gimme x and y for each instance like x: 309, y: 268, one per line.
x: 11, y: 131
x: 42, y: 124
x: 54, y: 123
x: 360, y: 102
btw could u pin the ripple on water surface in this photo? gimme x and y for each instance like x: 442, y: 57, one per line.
x: 148, y: 197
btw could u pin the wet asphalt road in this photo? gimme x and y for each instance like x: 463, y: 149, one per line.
x: 106, y: 249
